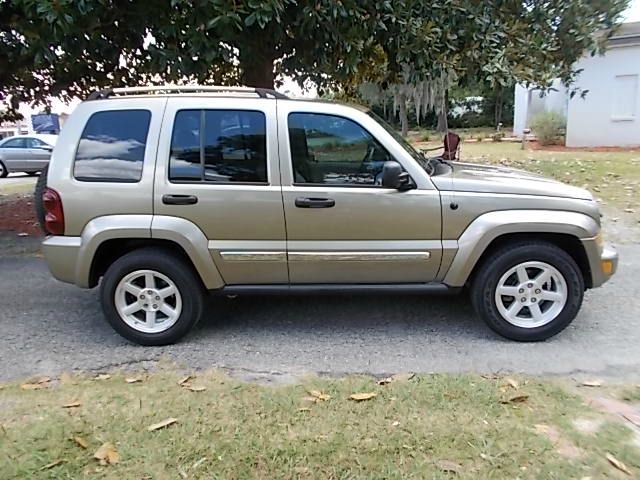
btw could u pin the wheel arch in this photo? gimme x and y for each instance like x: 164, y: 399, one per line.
x: 105, y: 239
x: 496, y: 229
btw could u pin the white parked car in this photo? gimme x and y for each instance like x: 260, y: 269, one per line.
x: 26, y: 153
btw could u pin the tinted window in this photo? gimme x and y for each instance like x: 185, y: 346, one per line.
x: 14, y: 143
x: 112, y: 146
x: 327, y: 149
x: 225, y: 146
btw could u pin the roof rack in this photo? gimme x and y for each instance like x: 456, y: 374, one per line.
x: 109, y: 92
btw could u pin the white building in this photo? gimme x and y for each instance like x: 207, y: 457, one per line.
x: 609, y: 114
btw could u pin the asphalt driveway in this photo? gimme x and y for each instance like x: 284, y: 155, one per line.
x: 47, y: 327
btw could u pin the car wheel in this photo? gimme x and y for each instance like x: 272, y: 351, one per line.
x: 3, y: 170
x: 150, y: 297
x: 38, y: 203
x: 528, y: 292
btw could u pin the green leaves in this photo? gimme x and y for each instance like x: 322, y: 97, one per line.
x: 66, y: 48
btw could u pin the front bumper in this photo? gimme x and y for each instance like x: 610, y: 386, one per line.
x: 603, y: 261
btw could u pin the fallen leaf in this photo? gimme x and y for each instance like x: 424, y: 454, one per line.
x: 185, y: 379
x: 195, y: 388
x: 36, y: 384
x: 512, y: 383
x: 304, y: 409
x: 81, y: 442
x: 133, y: 380
x: 198, y: 463
x: 72, y: 404
x: 162, y: 424
x: 516, y: 399
x: 107, y: 454
x: 395, y: 424
x: 323, y: 397
x: 398, y: 377
x: 23, y: 234
x: 311, y: 399
x: 592, y: 383
x: 52, y: 464
x: 359, y: 397
x: 448, y: 466
x: 618, y: 464
x: 103, y: 376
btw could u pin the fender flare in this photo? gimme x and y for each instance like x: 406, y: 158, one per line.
x: 487, y: 227
x: 177, y: 230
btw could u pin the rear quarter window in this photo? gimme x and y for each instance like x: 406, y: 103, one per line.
x: 112, y: 146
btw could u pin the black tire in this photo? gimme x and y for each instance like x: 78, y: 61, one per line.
x: 3, y: 170
x: 486, y: 280
x: 41, y: 184
x: 176, y: 269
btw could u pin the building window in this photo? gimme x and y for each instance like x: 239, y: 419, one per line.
x: 625, y: 97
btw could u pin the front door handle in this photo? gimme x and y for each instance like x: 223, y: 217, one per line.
x: 310, y: 202
x: 179, y: 199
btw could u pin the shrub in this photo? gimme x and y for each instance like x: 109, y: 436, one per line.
x: 549, y: 127
x: 426, y: 137
x: 497, y: 137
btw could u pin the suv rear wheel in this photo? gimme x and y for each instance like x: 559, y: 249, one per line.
x: 528, y: 291
x: 151, y: 297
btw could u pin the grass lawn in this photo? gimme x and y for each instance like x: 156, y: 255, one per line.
x: 437, y: 426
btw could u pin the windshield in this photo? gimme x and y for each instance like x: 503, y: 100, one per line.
x: 419, y: 157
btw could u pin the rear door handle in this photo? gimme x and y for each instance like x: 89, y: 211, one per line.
x: 310, y: 202
x: 179, y: 199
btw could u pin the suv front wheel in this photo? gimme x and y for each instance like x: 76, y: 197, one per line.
x: 528, y: 291
x: 151, y: 297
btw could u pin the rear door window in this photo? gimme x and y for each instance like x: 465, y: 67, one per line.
x: 112, y: 146
x: 219, y: 146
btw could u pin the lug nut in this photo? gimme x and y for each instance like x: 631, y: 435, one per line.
x: 521, y: 290
x: 157, y: 298
x: 155, y: 306
x: 523, y: 299
x: 530, y: 285
x: 537, y: 290
x: 534, y: 300
x: 141, y: 297
x: 146, y: 305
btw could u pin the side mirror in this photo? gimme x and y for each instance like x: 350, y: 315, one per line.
x: 394, y: 177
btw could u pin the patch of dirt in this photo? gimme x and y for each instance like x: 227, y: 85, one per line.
x: 590, y: 426
x: 17, y: 214
x: 563, y: 446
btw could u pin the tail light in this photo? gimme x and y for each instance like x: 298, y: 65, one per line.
x: 53, y: 213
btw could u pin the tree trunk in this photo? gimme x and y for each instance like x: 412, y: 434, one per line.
x: 257, y: 67
x: 443, y: 125
x: 497, y: 114
x: 404, y: 120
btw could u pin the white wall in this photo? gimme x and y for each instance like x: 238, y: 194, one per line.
x: 610, y: 113
x: 528, y: 103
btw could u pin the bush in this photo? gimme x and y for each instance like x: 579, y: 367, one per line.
x: 497, y: 137
x: 549, y: 127
x: 426, y: 137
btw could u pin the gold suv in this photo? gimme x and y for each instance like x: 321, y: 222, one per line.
x: 162, y: 194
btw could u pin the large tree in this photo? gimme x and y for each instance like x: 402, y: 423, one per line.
x: 68, y: 47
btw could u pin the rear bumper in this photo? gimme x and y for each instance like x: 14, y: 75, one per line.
x: 62, y: 255
x: 603, y: 261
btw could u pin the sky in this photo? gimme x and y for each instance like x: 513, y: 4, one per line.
x: 291, y: 88
x: 633, y: 12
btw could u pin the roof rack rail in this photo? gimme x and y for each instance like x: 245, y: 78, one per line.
x: 109, y: 92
